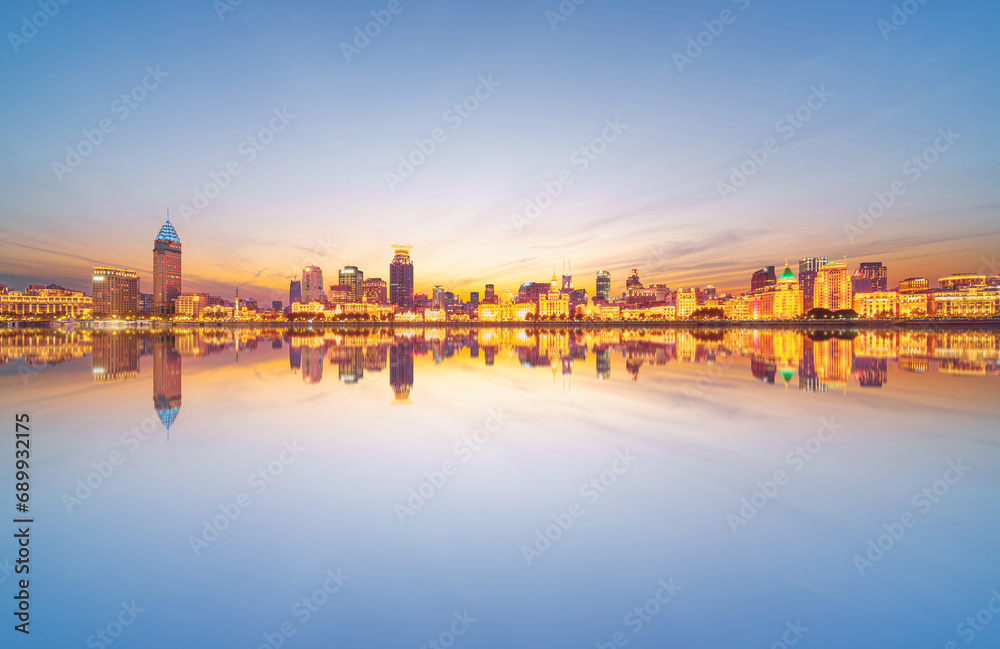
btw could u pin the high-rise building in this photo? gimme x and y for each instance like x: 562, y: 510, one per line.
x: 145, y: 302
x: 115, y: 291
x: 294, y: 292
x: 877, y: 274
x: 762, y: 279
x: 376, y: 290
x: 489, y: 294
x: 860, y: 283
x: 276, y: 305
x: 401, y: 278
x: 808, y: 269
x: 437, y: 301
x: 833, y: 287
x: 166, y: 269
x: 312, y: 284
x: 353, y: 277
x: 474, y: 299
x: 604, y: 285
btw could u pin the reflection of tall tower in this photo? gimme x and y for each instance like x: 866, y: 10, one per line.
x: 115, y: 357
x: 401, y: 370
x: 401, y: 278
x: 603, y: 363
x: 294, y: 356
x: 166, y: 269
x: 808, y: 378
x: 166, y: 379
x: 312, y: 364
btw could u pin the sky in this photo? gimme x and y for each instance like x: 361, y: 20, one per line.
x: 499, y: 140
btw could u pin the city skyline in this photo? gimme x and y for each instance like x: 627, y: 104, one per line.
x: 742, y: 282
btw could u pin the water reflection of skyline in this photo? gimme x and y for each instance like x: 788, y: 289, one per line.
x: 811, y: 361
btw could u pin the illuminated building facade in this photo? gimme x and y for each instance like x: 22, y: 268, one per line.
x: 687, y: 302
x: 401, y: 278
x: 340, y: 294
x: 975, y: 302
x: 883, y: 304
x: 376, y: 290
x: 913, y: 285
x: 739, y: 308
x: 554, y: 304
x: 191, y: 305
x: 961, y: 280
x: 914, y: 305
x: 115, y: 291
x: 507, y: 310
x: 166, y: 269
x: 51, y: 301
x: 312, y: 284
x: 833, y: 287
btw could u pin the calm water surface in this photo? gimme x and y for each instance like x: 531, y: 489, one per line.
x: 509, y: 488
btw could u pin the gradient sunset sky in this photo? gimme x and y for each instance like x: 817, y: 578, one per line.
x: 318, y: 192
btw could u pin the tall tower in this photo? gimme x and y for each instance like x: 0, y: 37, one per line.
x: 401, y: 278
x: 166, y: 269
x: 312, y: 284
x: 604, y: 285
x: 353, y: 277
